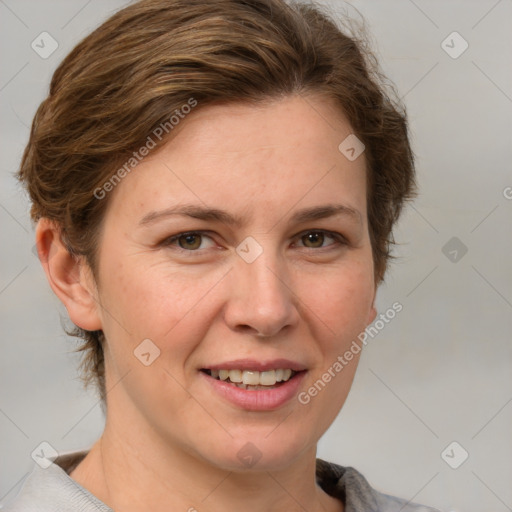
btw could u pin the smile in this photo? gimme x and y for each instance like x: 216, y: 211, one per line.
x: 253, y: 379
x: 254, y: 385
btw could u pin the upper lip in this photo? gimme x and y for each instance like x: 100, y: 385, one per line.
x: 260, y: 366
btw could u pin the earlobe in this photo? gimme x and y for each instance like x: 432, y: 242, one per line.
x: 372, y: 315
x: 69, y: 276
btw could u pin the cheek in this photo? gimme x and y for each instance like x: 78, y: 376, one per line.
x: 160, y: 303
x: 340, y: 308
x: 172, y: 309
x: 341, y: 299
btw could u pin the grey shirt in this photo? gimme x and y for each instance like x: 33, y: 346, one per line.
x: 53, y: 490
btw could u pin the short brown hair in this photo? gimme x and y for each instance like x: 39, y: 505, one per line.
x: 149, y: 59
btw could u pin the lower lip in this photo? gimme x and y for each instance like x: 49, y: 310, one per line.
x: 260, y: 399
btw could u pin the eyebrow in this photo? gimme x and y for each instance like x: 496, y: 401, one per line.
x: 323, y: 212
x: 194, y: 211
x: 214, y: 214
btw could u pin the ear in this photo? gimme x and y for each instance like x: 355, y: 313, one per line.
x: 372, y: 314
x: 69, y: 276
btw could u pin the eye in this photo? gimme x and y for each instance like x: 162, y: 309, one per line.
x: 317, y: 239
x: 191, y: 241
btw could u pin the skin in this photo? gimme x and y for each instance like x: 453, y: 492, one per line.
x: 170, y: 442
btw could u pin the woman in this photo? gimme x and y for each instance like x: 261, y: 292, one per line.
x: 214, y: 185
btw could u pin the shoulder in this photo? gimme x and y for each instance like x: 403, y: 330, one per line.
x: 387, y: 503
x: 51, y: 489
x: 352, y: 488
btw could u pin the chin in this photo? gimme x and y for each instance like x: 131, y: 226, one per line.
x: 259, y: 452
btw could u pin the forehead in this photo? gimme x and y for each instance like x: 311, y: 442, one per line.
x: 251, y: 159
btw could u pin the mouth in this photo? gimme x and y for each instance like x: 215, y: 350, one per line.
x: 255, y: 385
x: 253, y: 380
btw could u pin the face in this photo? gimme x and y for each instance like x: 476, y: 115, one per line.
x: 242, y: 246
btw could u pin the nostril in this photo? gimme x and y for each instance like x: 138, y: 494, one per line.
x: 247, y: 329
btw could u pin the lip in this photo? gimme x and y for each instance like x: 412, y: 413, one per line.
x: 256, y: 400
x: 259, y: 366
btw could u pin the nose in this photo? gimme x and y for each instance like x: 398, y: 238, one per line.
x: 261, y: 301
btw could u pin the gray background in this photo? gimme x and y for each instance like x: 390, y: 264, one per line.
x: 439, y: 372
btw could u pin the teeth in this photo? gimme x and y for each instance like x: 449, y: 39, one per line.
x: 235, y: 376
x: 268, y: 378
x: 253, y: 378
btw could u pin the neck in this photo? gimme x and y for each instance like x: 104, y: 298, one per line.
x: 129, y: 474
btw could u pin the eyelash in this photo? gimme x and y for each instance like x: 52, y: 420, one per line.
x: 339, y: 240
